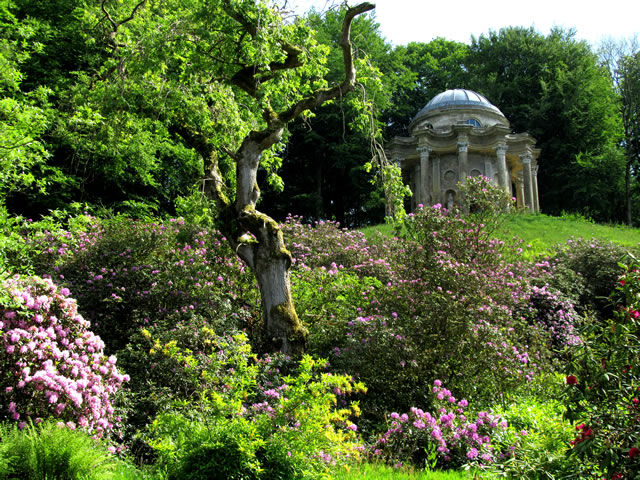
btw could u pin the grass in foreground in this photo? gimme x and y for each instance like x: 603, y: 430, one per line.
x: 382, y: 472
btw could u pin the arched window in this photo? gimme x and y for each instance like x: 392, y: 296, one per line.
x: 473, y: 122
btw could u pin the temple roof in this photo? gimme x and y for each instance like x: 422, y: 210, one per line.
x: 458, y: 98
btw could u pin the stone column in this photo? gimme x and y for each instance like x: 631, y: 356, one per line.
x: 424, y: 176
x: 416, y: 187
x: 436, y: 195
x: 520, y: 189
x: 525, y: 159
x: 463, y: 149
x: 536, y: 198
x: 503, y: 174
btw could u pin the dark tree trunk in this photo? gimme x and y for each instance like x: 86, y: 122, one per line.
x: 627, y: 192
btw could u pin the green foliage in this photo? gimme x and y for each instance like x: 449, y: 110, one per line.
x: 602, y: 386
x: 51, y: 450
x: 196, y: 209
x: 598, y: 184
x: 25, y: 115
x: 553, y: 88
x: 324, y: 298
x: 236, y: 427
x: 115, y: 103
x: 587, y: 271
x: 536, y: 439
x: 14, y: 253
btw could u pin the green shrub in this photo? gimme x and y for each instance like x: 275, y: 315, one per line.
x: 536, y: 440
x: 248, y: 421
x: 602, y: 391
x: 324, y: 298
x: 51, y: 450
x: 587, y: 271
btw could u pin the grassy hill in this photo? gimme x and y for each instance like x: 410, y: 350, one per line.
x: 542, y: 232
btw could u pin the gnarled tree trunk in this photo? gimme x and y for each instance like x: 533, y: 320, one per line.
x: 256, y: 237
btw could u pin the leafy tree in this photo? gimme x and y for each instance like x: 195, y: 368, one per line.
x: 421, y: 71
x: 621, y: 59
x: 553, y: 88
x: 106, y: 143
x: 597, y: 184
x: 215, y: 83
x: 324, y: 162
x: 24, y: 114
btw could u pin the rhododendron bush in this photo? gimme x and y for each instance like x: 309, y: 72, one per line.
x: 443, y: 300
x: 448, y: 437
x: 602, y: 388
x: 129, y: 274
x: 51, y: 364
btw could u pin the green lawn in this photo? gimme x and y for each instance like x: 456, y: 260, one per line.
x: 381, y: 472
x: 542, y: 232
x: 546, y: 231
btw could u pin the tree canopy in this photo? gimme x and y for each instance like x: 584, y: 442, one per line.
x: 106, y: 103
x: 554, y: 88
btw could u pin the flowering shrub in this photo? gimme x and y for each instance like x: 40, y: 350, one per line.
x: 446, y: 438
x: 52, y: 364
x: 485, y: 202
x: 602, y: 391
x: 587, y: 271
x: 445, y: 300
x: 325, y: 244
x: 557, y: 314
x: 129, y: 274
x: 420, y: 321
x: 248, y: 420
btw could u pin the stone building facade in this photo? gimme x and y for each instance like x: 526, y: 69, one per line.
x: 459, y: 133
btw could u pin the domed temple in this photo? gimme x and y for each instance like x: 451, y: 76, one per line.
x: 459, y: 133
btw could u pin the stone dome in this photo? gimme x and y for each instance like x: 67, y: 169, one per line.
x: 459, y: 106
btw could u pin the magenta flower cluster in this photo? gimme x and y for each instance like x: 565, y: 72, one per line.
x: 52, y: 364
x: 556, y: 314
x: 449, y: 435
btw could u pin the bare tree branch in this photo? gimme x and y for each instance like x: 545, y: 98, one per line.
x: 322, y: 95
x: 115, y: 25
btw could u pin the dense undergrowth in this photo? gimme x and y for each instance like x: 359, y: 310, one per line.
x: 445, y: 347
